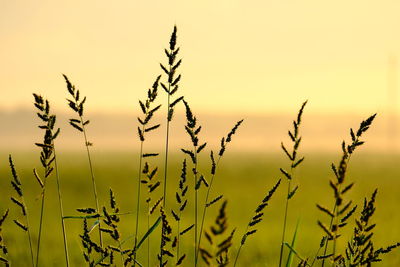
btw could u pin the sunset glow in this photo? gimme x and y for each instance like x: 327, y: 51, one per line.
x: 257, y: 56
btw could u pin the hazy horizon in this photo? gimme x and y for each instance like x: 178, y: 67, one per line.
x: 259, y: 132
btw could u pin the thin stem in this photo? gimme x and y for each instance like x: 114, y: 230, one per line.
x: 148, y: 228
x: 331, y: 222
x: 335, y: 234
x: 41, y: 222
x: 121, y: 253
x: 61, y: 209
x: 240, y: 247
x: 138, y: 199
x: 167, y: 141
x: 195, y: 206
x: 327, y: 240
x: 30, y: 239
x: 179, y: 237
x: 166, y: 155
x: 92, y: 176
x: 285, y: 218
x: 315, y: 257
x: 205, y: 207
x: 29, y: 233
x: 166, y: 161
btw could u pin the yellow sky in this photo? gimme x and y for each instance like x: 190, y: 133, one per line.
x: 250, y: 56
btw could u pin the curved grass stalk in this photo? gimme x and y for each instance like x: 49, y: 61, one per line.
x: 214, y: 168
x: 339, y: 191
x: 17, y: 185
x: 256, y: 218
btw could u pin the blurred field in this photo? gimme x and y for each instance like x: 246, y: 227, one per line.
x: 243, y: 178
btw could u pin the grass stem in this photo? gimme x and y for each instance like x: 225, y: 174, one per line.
x: 60, y: 203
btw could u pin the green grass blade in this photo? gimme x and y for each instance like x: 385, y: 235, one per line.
x: 97, y: 222
x: 146, y: 235
x: 296, y: 253
x: 290, y: 256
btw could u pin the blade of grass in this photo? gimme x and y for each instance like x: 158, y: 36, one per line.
x: 290, y: 256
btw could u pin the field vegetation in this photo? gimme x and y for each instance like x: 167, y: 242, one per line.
x: 200, y: 205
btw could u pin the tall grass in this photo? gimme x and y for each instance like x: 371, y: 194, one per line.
x: 77, y: 105
x: 193, y: 130
x: 4, y: 250
x: 295, y: 161
x: 342, y: 210
x: 19, y: 200
x: 146, y: 126
x: 214, y: 166
x: 170, y: 87
x: 219, y: 248
x: 49, y: 162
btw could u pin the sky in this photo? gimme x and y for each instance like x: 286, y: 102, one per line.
x: 238, y: 56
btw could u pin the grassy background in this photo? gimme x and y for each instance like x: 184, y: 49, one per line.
x: 243, y: 178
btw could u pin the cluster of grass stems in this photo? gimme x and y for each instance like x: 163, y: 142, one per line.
x: 102, y: 243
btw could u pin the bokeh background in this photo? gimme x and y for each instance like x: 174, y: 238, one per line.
x: 256, y: 60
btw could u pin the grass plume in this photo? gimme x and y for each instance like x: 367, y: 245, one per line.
x: 256, y: 218
x: 170, y: 87
x: 214, y: 166
x: 295, y: 161
x: 77, y: 105
x: 193, y: 131
x: 48, y: 160
x: 19, y: 200
x: 342, y: 210
x: 148, y: 110
x: 3, y: 248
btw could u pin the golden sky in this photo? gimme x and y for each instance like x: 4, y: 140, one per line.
x: 250, y: 56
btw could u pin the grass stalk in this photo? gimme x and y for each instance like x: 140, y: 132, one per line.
x: 138, y: 200
x: 205, y: 208
x: 193, y: 131
x: 94, y: 187
x: 166, y: 153
x: 4, y: 258
x: 60, y: 206
x: 337, y: 184
x: 30, y: 240
x: 148, y: 239
x: 47, y: 155
x: 77, y: 106
x: 181, y: 200
x: 285, y: 219
x: 148, y: 113
x: 171, y: 88
x: 256, y: 219
x: 240, y: 247
x: 214, y: 168
x: 17, y: 186
x: 294, y: 162
x: 195, y: 208
x: 40, y: 224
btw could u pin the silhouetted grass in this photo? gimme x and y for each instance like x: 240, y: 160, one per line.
x: 119, y: 245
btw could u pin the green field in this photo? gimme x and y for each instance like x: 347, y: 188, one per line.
x: 243, y: 179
